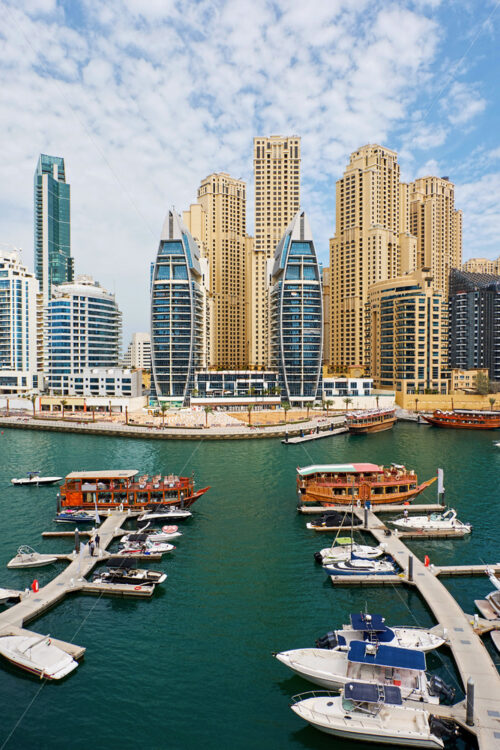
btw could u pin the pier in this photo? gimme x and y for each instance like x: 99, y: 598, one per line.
x: 313, y: 436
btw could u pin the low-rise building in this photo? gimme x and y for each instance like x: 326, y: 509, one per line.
x: 99, y: 381
x: 466, y: 380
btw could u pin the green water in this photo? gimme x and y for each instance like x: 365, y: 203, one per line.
x: 192, y: 667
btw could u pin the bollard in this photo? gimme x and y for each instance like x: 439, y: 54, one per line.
x: 469, y: 715
x: 410, y: 567
x: 366, y: 517
x: 77, y: 541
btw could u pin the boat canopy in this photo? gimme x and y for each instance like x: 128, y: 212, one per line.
x: 367, y: 622
x: 336, y: 469
x: 386, y: 656
x: 370, y: 693
x: 117, y: 474
x: 120, y: 562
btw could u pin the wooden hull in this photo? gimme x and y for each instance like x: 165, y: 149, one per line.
x: 375, y: 427
x: 321, y: 496
x: 187, y: 502
x: 436, y: 422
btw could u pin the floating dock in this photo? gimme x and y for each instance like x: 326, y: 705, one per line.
x: 383, y: 508
x: 314, y: 436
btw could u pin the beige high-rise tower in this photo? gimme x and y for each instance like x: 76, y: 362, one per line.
x: 437, y: 226
x: 277, y: 200
x: 371, y: 238
x: 218, y: 223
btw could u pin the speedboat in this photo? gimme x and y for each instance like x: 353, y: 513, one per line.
x: 38, y: 655
x: 34, y: 477
x: 366, y: 627
x: 355, y: 567
x: 493, y: 598
x: 333, y: 520
x: 76, y: 516
x: 121, y: 570
x: 27, y: 558
x: 367, y: 662
x: 344, y: 548
x: 433, y: 522
x: 165, y: 534
x: 163, y: 513
x: 7, y: 595
x: 374, y: 714
x: 145, y: 547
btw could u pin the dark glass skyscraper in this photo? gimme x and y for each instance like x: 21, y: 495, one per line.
x: 53, y: 261
x: 297, y: 313
x: 178, y: 312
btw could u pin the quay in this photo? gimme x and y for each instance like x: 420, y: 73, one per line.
x: 464, y: 570
x: 313, y: 436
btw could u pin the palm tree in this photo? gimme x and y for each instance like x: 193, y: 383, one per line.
x: 308, y: 406
x: 164, y: 407
x: 33, y: 402
x: 328, y: 403
x: 207, y: 410
x: 376, y: 400
x: 249, y: 410
x: 347, y: 401
x: 492, y: 402
x: 285, y: 406
x: 416, y: 405
x: 63, y: 404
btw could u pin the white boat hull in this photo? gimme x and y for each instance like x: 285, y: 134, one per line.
x: 31, y: 561
x: 37, y: 655
x: 364, y: 551
x: 35, y: 480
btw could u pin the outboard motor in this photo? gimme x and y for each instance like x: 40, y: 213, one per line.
x: 318, y: 557
x: 441, y: 689
x: 328, y: 641
x: 442, y: 728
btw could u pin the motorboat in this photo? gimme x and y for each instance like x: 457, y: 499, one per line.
x: 121, y: 570
x: 38, y: 655
x: 165, y: 534
x: 7, y: 595
x: 333, y: 520
x: 367, y: 662
x: 145, y: 547
x: 373, y: 714
x: 34, y: 477
x: 493, y: 598
x: 344, y: 548
x: 357, y: 567
x: 367, y: 627
x: 76, y: 516
x: 163, y: 513
x: 27, y: 558
x: 433, y: 522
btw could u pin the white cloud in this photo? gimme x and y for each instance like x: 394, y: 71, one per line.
x: 479, y: 198
x: 463, y: 102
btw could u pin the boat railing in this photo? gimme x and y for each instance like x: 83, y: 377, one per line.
x: 368, y: 709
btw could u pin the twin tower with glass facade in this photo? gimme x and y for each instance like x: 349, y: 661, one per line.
x: 183, y: 319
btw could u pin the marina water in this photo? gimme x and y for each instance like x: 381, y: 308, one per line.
x: 192, y: 667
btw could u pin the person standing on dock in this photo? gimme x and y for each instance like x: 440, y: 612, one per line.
x: 97, y: 541
x: 91, y: 548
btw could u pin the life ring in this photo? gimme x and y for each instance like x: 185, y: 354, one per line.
x: 169, y: 529
x: 137, y: 588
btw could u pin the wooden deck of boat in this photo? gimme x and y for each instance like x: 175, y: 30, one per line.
x: 471, y: 656
x: 314, y: 436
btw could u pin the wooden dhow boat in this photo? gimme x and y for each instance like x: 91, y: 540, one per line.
x: 339, y: 484
x: 465, y: 419
x: 370, y: 420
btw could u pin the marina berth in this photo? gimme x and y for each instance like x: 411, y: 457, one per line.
x: 370, y: 713
x: 165, y: 534
x: 121, y: 570
x: 339, y: 484
x: 146, y: 548
x: 37, y: 655
x: 344, y: 549
x: 27, y: 558
x: 378, y: 420
x: 354, y: 566
x: 76, y: 516
x: 162, y: 513
x: 433, y: 522
x: 333, y: 520
x: 464, y: 419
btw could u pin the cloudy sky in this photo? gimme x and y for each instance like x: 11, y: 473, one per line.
x: 144, y: 98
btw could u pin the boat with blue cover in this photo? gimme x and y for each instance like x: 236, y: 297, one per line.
x: 366, y: 662
x: 76, y: 516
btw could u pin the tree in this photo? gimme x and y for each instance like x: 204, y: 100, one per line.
x: 249, y: 410
x: 347, y: 401
x: 285, y: 406
x: 33, y: 402
x: 492, y: 402
x: 63, y: 404
x: 416, y: 404
x: 164, y: 407
x: 308, y: 406
x: 377, y: 400
x: 482, y: 384
x: 207, y: 410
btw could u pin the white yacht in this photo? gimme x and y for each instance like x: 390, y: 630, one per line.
x: 355, y: 567
x: 27, y: 558
x: 146, y: 548
x: 493, y: 598
x: 38, y: 655
x: 433, y: 522
x: 373, y: 714
x: 164, y: 513
x: 34, y: 477
x: 366, y: 627
x: 166, y: 534
x: 344, y: 548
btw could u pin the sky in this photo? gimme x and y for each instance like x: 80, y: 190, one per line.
x: 145, y: 98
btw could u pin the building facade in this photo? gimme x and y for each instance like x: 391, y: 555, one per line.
x: 296, y: 326
x: 437, y: 226
x: 474, y: 321
x: 482, y: 265
x: 466, y: 380
x: 53, y: 261
x: 138, y: 354
x: 406, y: 333
x: 277, y: 200
x: 21, y: 360
x: 83, y: 331
x: 218, y: 223
x: 101, y: 381
x: 179, y: 312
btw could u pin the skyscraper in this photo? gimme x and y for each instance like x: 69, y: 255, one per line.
x: 297, y: 313
x: 370, y: 231
x: 277, y: 200
x: 179, y: 320
x: 53, y: 261
x: 437, y: 226
x: 218, y: 222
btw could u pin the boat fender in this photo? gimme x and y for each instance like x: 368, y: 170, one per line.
x: 318, y: 557
x: 34, y: 586
x: 137, y: 588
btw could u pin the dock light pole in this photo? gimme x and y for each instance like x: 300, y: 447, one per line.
x: 410, y: 568
x: 366, y: 516
x: 469, y: 710
x: 77, y: 541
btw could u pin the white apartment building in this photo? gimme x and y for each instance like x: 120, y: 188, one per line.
x: 138, y: 354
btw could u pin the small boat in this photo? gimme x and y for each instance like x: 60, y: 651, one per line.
x: 167, y: 533
x: 371, y: 663
x: 121, y: 570
x: 355, y: 567
x: 34, y: 477
x: 7, y: 595
x: 370, y: 420
x: 145, y: 547
x: 27, y: 558
x: 433, y: 522
x: 76, y: 516
x: 160, y: 513
x: 333, y: 520
x: 465, y: 419
x: 372, y: 713
x: 38, y: 655
x: 344, y: 548
x: 493, y: 598
x: 366, y: 627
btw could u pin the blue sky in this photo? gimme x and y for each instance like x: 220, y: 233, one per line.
x: 145, y: 98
